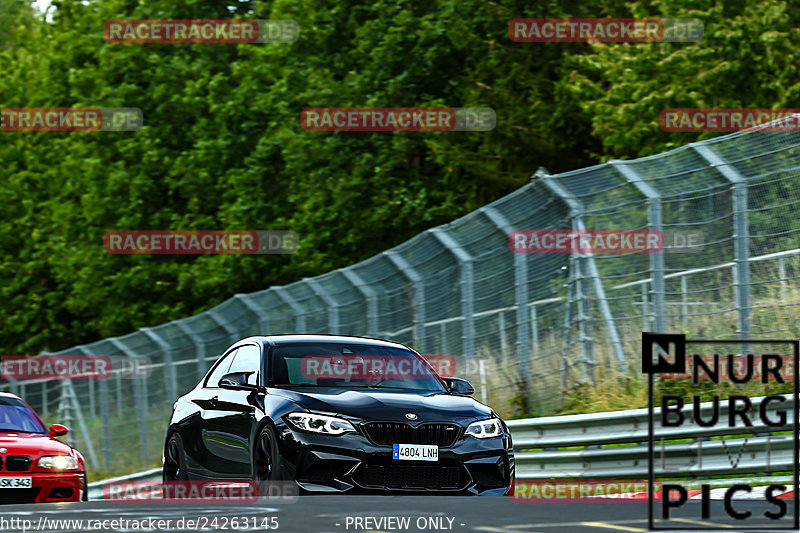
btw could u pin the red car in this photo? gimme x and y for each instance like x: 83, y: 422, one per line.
x: 35, y: 467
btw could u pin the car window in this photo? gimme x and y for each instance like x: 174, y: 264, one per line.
x: 220, y: 370
x: 16, y: 416
x: 248, y: 359
x: 351, y: 366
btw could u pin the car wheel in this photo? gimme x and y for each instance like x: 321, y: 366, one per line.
x: 265, y: 460
x: 85, y: 496
x: 175, y: 460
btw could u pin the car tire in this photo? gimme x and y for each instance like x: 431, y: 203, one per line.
x: 266, y: 461
x: 175, y: 460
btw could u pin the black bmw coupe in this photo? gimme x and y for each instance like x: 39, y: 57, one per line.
x: 337, y: 414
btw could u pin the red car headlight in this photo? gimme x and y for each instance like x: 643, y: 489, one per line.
x: 58, y: 462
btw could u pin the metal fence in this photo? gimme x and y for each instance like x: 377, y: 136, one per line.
x: 614, y: 445
x: 542, y: 322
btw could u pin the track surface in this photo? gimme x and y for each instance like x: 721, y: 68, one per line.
x: 336, y: 514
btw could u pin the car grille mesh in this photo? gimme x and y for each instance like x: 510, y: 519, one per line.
x: 411, y: 477
x: 18, y: 463
x: 388, y: 433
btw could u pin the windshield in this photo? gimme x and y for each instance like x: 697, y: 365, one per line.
x: 16, y: 416
x: 351, y: 366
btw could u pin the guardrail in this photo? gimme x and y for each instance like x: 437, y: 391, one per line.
x: 96, y: 487
x: 626, y: 432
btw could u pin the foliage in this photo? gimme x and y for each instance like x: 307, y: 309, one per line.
x: 222, y: 147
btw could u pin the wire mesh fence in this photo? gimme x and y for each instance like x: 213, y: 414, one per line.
x: 541, y: 323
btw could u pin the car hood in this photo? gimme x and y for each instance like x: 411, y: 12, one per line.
x: 34, y: 444
x: 389, y: 406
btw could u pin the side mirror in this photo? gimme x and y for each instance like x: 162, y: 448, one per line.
x: 459, y: 386
x: 237, y: 381
x: 56, y: 430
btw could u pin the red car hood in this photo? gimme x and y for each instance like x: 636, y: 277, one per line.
x: 34, y: 444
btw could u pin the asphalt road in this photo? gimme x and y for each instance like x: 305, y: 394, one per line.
x: 340, y: 514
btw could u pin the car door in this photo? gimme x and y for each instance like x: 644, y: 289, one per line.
x: 230, y: 418
x: 202, y: 460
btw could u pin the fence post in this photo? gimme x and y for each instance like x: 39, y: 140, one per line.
x: 263, y: 319
x: 685, y: 300
x: 333, y: 307
x: 369, y: 295
x: 741, y: 235
x: 92, y: 402
x: 405, y: 268
x: 467, y: 305
x: 104, y: 415
x: 782, y: 274
x: 45, y: 407
x: 524, y: 335
x: 299, y: 310
x: 501, y: 329
x: 68, y: 407
x: 139, y: 394
x: 118, y: 382
x: 233, y: 333
x: 45, y: 392
x: 200, y: 346
x: 576, y: 213
x: 654, y: 223
x: 584, y: 313
x: 169, y: 368
x: 105, y: 418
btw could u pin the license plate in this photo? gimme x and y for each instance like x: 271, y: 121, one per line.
x: 16, y: 482
x: 415, y: 452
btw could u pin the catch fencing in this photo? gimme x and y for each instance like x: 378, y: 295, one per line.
x: 542, y: 323
x: 614, y: 445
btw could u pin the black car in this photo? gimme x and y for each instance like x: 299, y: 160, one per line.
x: 337, y: 414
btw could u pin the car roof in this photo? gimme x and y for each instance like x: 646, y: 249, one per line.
x: 277, y: 340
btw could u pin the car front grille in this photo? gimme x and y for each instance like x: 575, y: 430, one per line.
x: 18, y: 463
x: 388, y: 433
x: 412, y: 477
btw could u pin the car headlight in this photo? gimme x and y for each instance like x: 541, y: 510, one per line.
x: 58, y: 462
x: 483, y: 429
x: 327, y: 425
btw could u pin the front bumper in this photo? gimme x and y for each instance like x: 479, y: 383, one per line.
x: 352, y: 463
x: 47, y: 487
